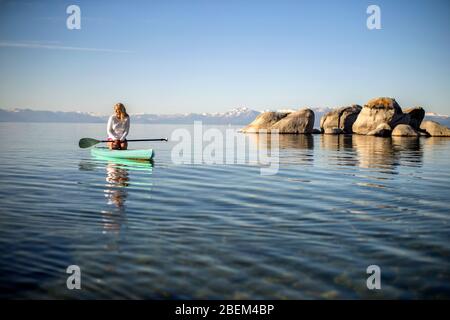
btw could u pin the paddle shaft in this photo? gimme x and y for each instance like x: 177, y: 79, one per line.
x: 89, y: 142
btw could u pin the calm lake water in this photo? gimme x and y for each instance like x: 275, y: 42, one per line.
x: 337, y: 205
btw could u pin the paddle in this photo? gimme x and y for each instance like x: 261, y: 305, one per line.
x: 89, y: 142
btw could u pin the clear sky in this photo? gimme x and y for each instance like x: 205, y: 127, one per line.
x: 209, y: 56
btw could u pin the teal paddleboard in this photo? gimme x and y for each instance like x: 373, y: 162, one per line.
x: 128, y: 164
x: 137, y: 154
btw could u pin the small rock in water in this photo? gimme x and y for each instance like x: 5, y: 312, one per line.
x: 333, y: 131
x: 404, y: 130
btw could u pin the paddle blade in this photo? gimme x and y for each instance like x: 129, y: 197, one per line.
x: 87, y: 142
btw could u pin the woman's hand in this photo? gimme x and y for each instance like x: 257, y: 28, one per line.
x: 116, y: 144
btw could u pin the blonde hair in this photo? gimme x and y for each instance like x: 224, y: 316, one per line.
x: 122, y: 111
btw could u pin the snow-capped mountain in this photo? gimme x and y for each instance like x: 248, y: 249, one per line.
x: 28, y: 115
x: 237, y: 116
x: 440, y: 118
x: 241, y: 115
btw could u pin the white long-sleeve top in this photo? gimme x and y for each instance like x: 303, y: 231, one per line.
x: 118, y: 129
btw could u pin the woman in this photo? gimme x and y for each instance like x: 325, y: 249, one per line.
x: 118, y: 128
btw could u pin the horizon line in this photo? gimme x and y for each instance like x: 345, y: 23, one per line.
x: 429, y: 113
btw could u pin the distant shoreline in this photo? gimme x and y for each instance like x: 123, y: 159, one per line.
x: 237, y: 116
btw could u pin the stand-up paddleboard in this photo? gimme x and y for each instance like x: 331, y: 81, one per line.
x: 137, y: 154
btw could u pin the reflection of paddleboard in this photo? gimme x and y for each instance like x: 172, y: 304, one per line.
x: 138, y: 154
x: 127, y: 163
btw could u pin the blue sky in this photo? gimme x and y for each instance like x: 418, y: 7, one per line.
x: 209, y: 56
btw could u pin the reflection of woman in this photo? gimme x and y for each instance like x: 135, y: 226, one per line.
x: 116, y: 177
x: 118, y: 128
x: 116, y: 194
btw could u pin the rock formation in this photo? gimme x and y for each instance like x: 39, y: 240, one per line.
x: 264, y: 121
x: 341, y: 118
x: 378, y: 111
x: 301, y: 121
x: 434, y: 129
x: 416, y: 116
x: 381, y: 117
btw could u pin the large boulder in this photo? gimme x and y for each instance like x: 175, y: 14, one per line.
x: 382, y: 130
x: 404, y: 130
x: 416, y: 116
x: 301, y: 121
x: 341, y: 118
x: 264, y: 121
x: 435, y: 129
x: 377, y: 111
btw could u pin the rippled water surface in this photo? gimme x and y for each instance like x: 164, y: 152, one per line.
x: 337, y: 205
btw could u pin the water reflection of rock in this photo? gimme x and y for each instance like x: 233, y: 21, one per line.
x: 387, y: 153
x: 375, y: 152
x: 431, y: 142
x: 294, y: 148
x: 336, y: 142
x: 298, y: 141
x: 349, y: 150
x: 285, y: 141
x: 117, y: 179
x: 341, y: 146
x: 372, y: 152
